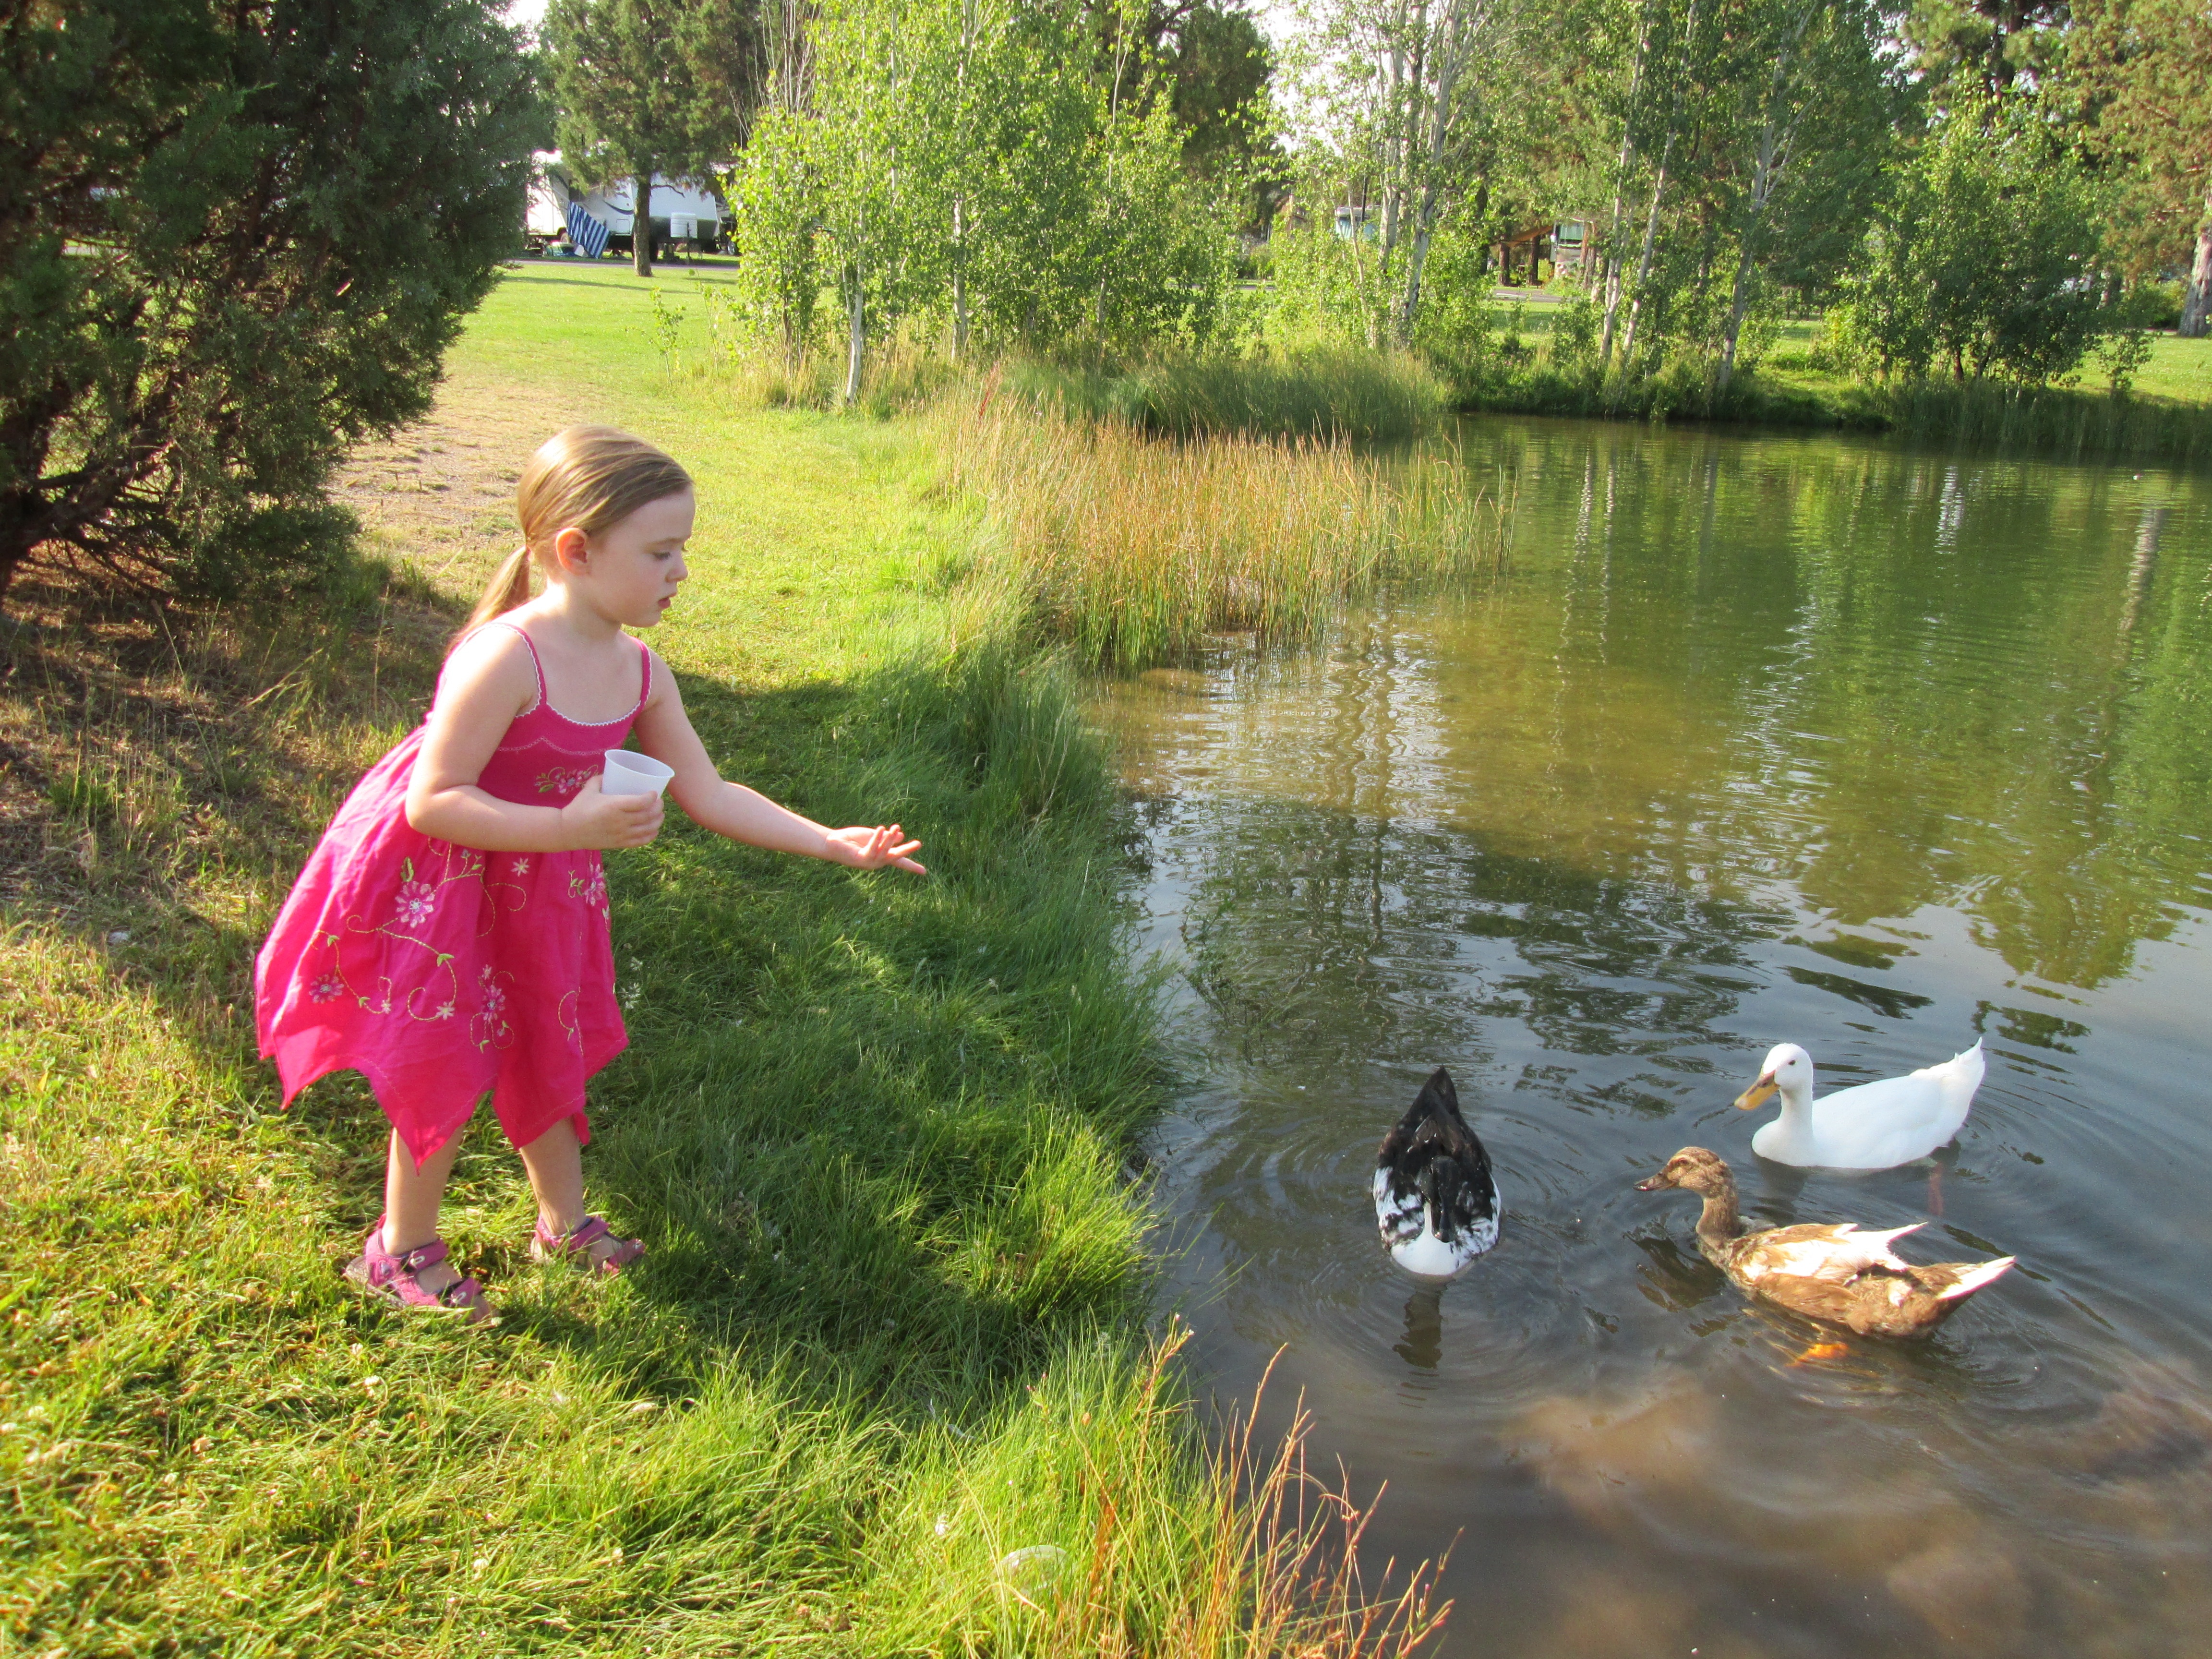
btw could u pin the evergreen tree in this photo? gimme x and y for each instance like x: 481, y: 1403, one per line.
x: 2147, y: 66
x: 234, y: 239
x: 651, y: 86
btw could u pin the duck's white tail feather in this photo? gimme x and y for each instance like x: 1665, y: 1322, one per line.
x: 1877, y: 1244
x: 1974, y: 1278
x: 1962, y: 1073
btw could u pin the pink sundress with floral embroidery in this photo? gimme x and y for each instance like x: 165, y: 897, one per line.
x: 441, y: 972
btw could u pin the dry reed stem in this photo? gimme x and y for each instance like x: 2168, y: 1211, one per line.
x: 1276, y: 1572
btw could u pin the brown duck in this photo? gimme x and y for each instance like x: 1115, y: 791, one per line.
x: 1830, y: 1272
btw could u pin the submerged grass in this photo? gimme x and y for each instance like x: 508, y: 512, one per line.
x: 895, y: 1324
x: 1134, y: 548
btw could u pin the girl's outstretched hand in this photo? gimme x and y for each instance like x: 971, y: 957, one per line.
x: 865, y: 848
x: 599, y: 822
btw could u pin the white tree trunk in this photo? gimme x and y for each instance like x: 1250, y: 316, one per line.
x: 1773, y: 159
x: 1457, y: 36
x: 2197, y: 302
x: 1644, y: 258
x: 856, y: 340
x: 1619, y: 198
x: 960, y: 282
x: 1658, y: 192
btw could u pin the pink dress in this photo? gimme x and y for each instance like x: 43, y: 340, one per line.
x: 440, y: 971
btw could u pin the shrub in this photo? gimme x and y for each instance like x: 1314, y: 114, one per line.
x: 232, y: 240
x: 1984, y: 263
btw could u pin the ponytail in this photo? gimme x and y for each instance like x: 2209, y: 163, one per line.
x: 509, y: 586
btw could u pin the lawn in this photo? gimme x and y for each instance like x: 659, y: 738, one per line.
x: 2178, y: 369
x: 2165, y: 415
x: 895, y: 1322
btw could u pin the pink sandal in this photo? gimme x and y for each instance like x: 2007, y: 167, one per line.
x: 394, y: 1279
x: 578, y: 1246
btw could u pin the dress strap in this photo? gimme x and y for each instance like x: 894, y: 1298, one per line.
x: 644, y: 678
x: 534, y: 663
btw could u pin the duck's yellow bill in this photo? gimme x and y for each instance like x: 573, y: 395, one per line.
x: 1758, y: 1095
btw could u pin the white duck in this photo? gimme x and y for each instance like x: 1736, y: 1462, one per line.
x: 1874, y: 1125
x: 1436, y: 1201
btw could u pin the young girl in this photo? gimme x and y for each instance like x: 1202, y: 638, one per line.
x: 448, y: 936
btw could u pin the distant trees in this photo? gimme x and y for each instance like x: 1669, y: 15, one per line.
x: 234, y: 238
x: 1038, y: 174
x: 979, y: 165
x: 651, y: 86
x: 1723, y: 151
x: 1415, y: 110
x: 1972, y: 182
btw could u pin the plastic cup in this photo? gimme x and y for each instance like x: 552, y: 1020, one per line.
x: 632, y: 774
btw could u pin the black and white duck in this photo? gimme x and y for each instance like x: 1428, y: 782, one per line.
x: 1435, y: 1200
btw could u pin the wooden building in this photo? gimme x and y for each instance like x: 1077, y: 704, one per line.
x: 1561, y: 247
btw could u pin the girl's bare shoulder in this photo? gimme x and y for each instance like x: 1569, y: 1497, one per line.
x: 495, y: 662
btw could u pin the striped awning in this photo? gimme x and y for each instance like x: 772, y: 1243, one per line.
x: 589, y: 234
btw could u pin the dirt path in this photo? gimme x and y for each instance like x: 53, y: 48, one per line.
x: 442, y: 492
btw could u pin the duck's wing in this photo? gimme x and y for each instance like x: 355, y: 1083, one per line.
x: 1879, y: 1126
x: 1829, y: 1300
x: 1399, y: 1209
x: 1466, y: 1194
x: 1835, y: 1252
x: 1916, y: 1301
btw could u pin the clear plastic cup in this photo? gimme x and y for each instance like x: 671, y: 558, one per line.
x: 629, y: 772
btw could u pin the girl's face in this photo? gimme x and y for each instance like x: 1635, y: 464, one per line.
x: 630, y: 573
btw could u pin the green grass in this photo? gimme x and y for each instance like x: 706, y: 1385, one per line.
x: 2167, y: 414
x: 2179, y: 369
x: 896, y: 1320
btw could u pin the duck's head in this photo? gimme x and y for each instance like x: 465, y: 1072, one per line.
x: 1693, y: 1170
x: 1787, y: 1068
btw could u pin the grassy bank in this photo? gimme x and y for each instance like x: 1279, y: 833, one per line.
x: 2165, y: 415
x: 895, y: 1325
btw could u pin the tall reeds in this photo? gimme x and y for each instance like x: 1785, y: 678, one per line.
x: 1133, y: 1534
x: 1322, y: 392
x: 2068, y: 422
x: 1133, y: 549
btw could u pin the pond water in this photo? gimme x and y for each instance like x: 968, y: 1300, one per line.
x: 1754, y: 739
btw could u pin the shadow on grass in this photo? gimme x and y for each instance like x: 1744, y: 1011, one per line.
x: 870, y: 1125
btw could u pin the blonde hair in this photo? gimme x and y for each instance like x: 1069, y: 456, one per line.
x: 591, y: 477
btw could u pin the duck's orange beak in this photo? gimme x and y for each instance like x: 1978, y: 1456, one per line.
x: 1758, y: 1095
